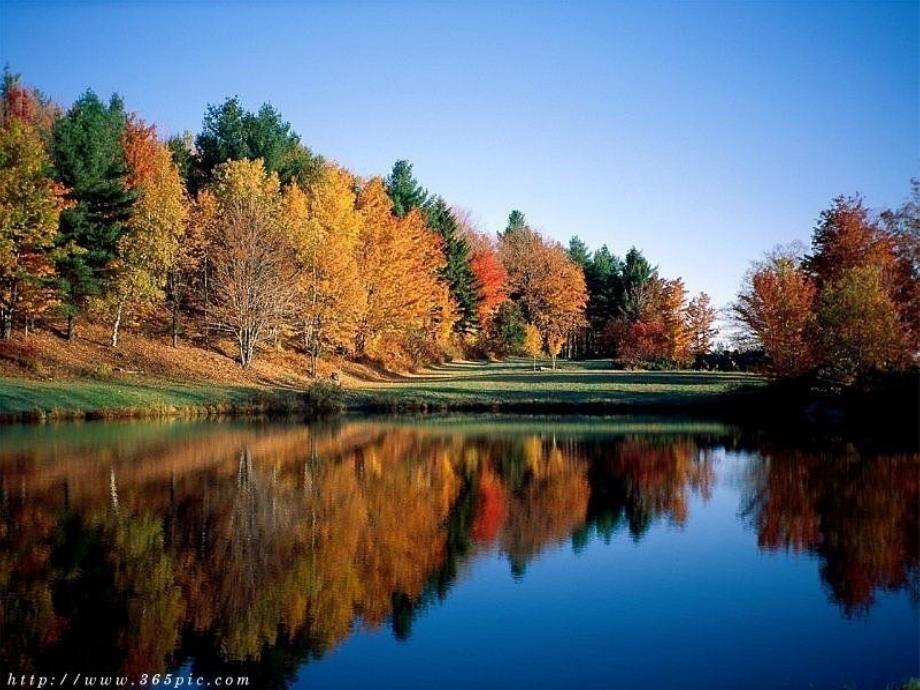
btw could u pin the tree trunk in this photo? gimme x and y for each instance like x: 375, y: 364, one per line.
x: 313, y: 363
x: 534, y: 363
x: 554, y: 362
x: 117, y: 324
x: 247, y: 345
x: 6, y: 323
x: 175, y: 323
x: 71, y: 327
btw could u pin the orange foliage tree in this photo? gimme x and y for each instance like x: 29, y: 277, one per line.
x: 491, y: 277
x: 774, y: 309
x: 700, y: 319
x: 406, y: 310
x: 548, y: 285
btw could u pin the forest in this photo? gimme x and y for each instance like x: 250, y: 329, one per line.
x: 242, y: 232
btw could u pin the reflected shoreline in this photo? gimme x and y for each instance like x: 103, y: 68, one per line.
x: 165, y: 544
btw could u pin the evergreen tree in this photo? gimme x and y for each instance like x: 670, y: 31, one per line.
x: 404, y: 190
x: 90, y: 162
x: 457, y: 271
x: 230, y: 132
x: 638, y: 275
x: 182, y: 149
x: 579, y: 252
x: 516, y: 221
x: 604, y: 276
x: 507, y: 329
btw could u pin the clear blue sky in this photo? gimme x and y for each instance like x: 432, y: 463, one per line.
x: 702, y: 133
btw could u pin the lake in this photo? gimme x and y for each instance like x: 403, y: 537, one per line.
x: 474, y: 552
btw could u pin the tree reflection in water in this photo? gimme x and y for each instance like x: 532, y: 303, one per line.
x: 257, y: 547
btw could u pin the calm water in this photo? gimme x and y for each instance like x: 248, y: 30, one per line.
x: 530, y: 553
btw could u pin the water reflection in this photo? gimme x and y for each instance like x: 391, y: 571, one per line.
x: 138, y: 548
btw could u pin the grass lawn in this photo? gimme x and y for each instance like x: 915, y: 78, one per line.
x: 20, y: 397
x: 514, y: 384
x: 511, y: 386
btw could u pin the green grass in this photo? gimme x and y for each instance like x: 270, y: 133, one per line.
x: 514, y: 385
x: 508, y: 386
x: 39, y: 400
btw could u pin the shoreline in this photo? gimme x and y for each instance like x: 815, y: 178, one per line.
x: 767, y: 407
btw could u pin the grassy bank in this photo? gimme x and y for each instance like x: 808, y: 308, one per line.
x: 28, y: 400
x: 574, y: 386
x: 512, y: 386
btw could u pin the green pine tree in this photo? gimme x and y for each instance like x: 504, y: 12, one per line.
x: 404, y: 190
x: 516, y: 221
x: 230, y: 132
x: 457, y: 271
x: 90, y: 162
x: 579, y: 252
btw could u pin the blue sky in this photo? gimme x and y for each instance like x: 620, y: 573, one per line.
x: 703, y: 133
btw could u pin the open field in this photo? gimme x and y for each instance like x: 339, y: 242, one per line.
x: 513, y: 384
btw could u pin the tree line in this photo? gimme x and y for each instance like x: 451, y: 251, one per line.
x: 847, y: 307
x: 243, y: 232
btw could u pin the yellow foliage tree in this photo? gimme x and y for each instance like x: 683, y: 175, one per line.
x: 324, y: 227
x: 533, y: 343
x: 30, y: 205
x: 251, y: 258
x: 150, y: 245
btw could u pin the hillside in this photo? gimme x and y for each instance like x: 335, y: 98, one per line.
x: 46, y: 376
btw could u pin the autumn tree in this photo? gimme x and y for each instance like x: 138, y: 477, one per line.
x: 545, y: 281
x: 489, y: 276
x: 523, y: 255
x: 847, y: 237
x: 399, y: 260
x: 672, y: 309
x: 701, y: 317
x: 149, y: 246
x: 857, y: 325
x: 533, y: 343
x: 252, y: 260
x: 30, y: 205
x: 185, y: 272
x: 325, y: 226
x: 90, y: 162
x: 27, y: 105
x: 903, y: 227
x: 406, y: 194
x: 562, y: 299
x: 642, y: 341
x: 774, y: 309
x: 866, y: 305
